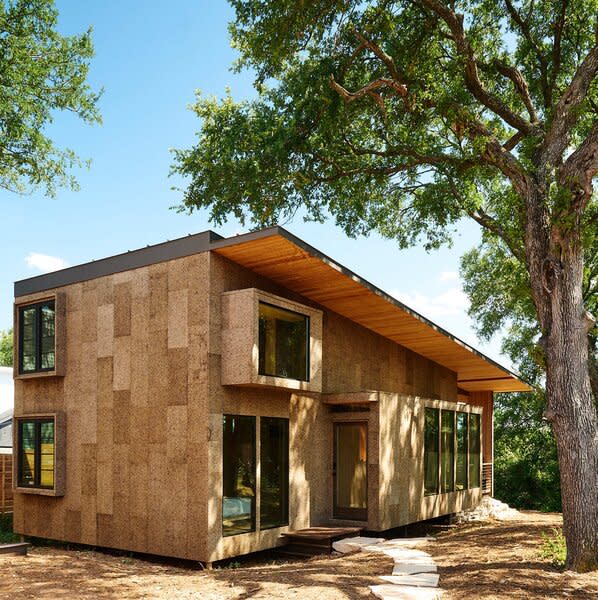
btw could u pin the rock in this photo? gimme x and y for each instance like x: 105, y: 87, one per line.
x: 488, y: 508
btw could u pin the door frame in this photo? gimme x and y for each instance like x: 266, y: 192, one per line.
x: 340, y: 512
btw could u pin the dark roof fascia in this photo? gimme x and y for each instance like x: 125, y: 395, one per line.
x: 186, y: 246
x: 277, y: 230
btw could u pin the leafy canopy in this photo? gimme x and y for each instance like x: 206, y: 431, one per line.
x: 395, y: 116
x: 41, y: 72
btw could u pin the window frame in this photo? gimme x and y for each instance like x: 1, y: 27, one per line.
x: 254, y: 498
x: 38, y: 301
x: 58, y: 489
x: 286, y: 420
x: 307, y: 342
x: 37, y: 337
x: 471, y: 414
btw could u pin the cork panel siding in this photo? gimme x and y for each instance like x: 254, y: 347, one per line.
x: 355, y: 358
x: 135, y: 399
x: 401, y: 447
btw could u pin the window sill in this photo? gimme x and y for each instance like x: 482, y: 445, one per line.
x: 38, y: 374
x: 39, y: 491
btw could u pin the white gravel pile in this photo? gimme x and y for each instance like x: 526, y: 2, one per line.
x: 489, y: 508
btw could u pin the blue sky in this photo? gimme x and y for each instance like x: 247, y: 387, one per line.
x: 150, y: 57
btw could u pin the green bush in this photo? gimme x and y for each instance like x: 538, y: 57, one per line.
x: 554, y: 548
x: 6, y: 534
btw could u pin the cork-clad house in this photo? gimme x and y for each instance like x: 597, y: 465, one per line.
x: 201, y: 397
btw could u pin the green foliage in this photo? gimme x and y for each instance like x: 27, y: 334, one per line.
x: 41, y: 72
x: 554, y: 548
x: 6, y: 348
x: 6, y: 533
x: 406, y: 159
x: 526, y: 466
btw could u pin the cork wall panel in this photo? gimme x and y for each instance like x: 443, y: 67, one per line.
x: 135, y: 399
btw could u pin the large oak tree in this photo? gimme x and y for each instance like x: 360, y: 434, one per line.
x: 404, y: 116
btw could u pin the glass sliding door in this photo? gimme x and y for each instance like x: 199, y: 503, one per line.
x: 274, y: 472
x: 431, y: 454
x: 475, y: 447
x: 350, y: 470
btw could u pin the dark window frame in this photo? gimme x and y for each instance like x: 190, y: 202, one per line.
x: 287, y: 477
x: 436, y: 491
x: 471, y: 415
x: 37, y: 337
x: 307, y: 342
x: 38, y: 422
x: 226, y: 533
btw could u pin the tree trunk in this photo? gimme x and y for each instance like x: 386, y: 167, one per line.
x: 571, y: 408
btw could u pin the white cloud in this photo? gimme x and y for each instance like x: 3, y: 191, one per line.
x: 44, y: 262
x: 449, y: 276
x: 452, y: 302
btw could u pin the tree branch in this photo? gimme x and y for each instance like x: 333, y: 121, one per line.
x: 521, y: 86
x: 556, y: 49
x: 565, y: 115
x: 394, y: 71
x: 368, y: 89
x: 454, y: 22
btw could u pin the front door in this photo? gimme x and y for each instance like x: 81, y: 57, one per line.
x: 349, y: 471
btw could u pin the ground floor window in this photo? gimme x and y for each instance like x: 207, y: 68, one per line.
x: 274, y: 472
x: 431, y: 451
x: 238, y: 473
x: 452, y: 451
x: 474, y: 450
x: 35, y: 453
x: 240, y: 489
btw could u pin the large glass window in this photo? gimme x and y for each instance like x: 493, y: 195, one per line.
x: 37, y: 337
x: 36, y: 455
x: 238, y: 453
x: 447, y: 449
x: 474, y: 450
x: 431, y: 451
x: 283, y: 343
x: 274, y: 472
x: 461, y: 473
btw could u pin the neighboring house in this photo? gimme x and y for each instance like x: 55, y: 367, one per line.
x: 6, y: 409
x: 200, y: 397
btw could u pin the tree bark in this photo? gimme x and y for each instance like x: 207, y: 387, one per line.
x: 570, y: 403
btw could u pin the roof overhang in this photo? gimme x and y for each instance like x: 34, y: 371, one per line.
x: 285, y: 259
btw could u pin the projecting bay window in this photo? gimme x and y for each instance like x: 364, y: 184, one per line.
x: 283, y: 343
x: 40, y: 454
x: 452, y: 450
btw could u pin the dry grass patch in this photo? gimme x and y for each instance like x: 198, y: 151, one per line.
x: 504, y: 559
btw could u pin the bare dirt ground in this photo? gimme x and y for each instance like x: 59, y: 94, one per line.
x: 502, y: 560
x: 490, y: 560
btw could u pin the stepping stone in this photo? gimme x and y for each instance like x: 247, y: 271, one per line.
x: 409, y: 542
x: 405, y: 553
x: 413, y: 567
x: 355, y: 543
x: 419, y: 580
x: 399, y: 592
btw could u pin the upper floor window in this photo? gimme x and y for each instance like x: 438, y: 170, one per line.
x: 283, y: 343
x: 37, y: 348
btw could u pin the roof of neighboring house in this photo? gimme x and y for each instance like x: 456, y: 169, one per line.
x: 6, y: 429
x: 282, y: 257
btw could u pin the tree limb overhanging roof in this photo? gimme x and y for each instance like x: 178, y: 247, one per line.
x: 278, y: 255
